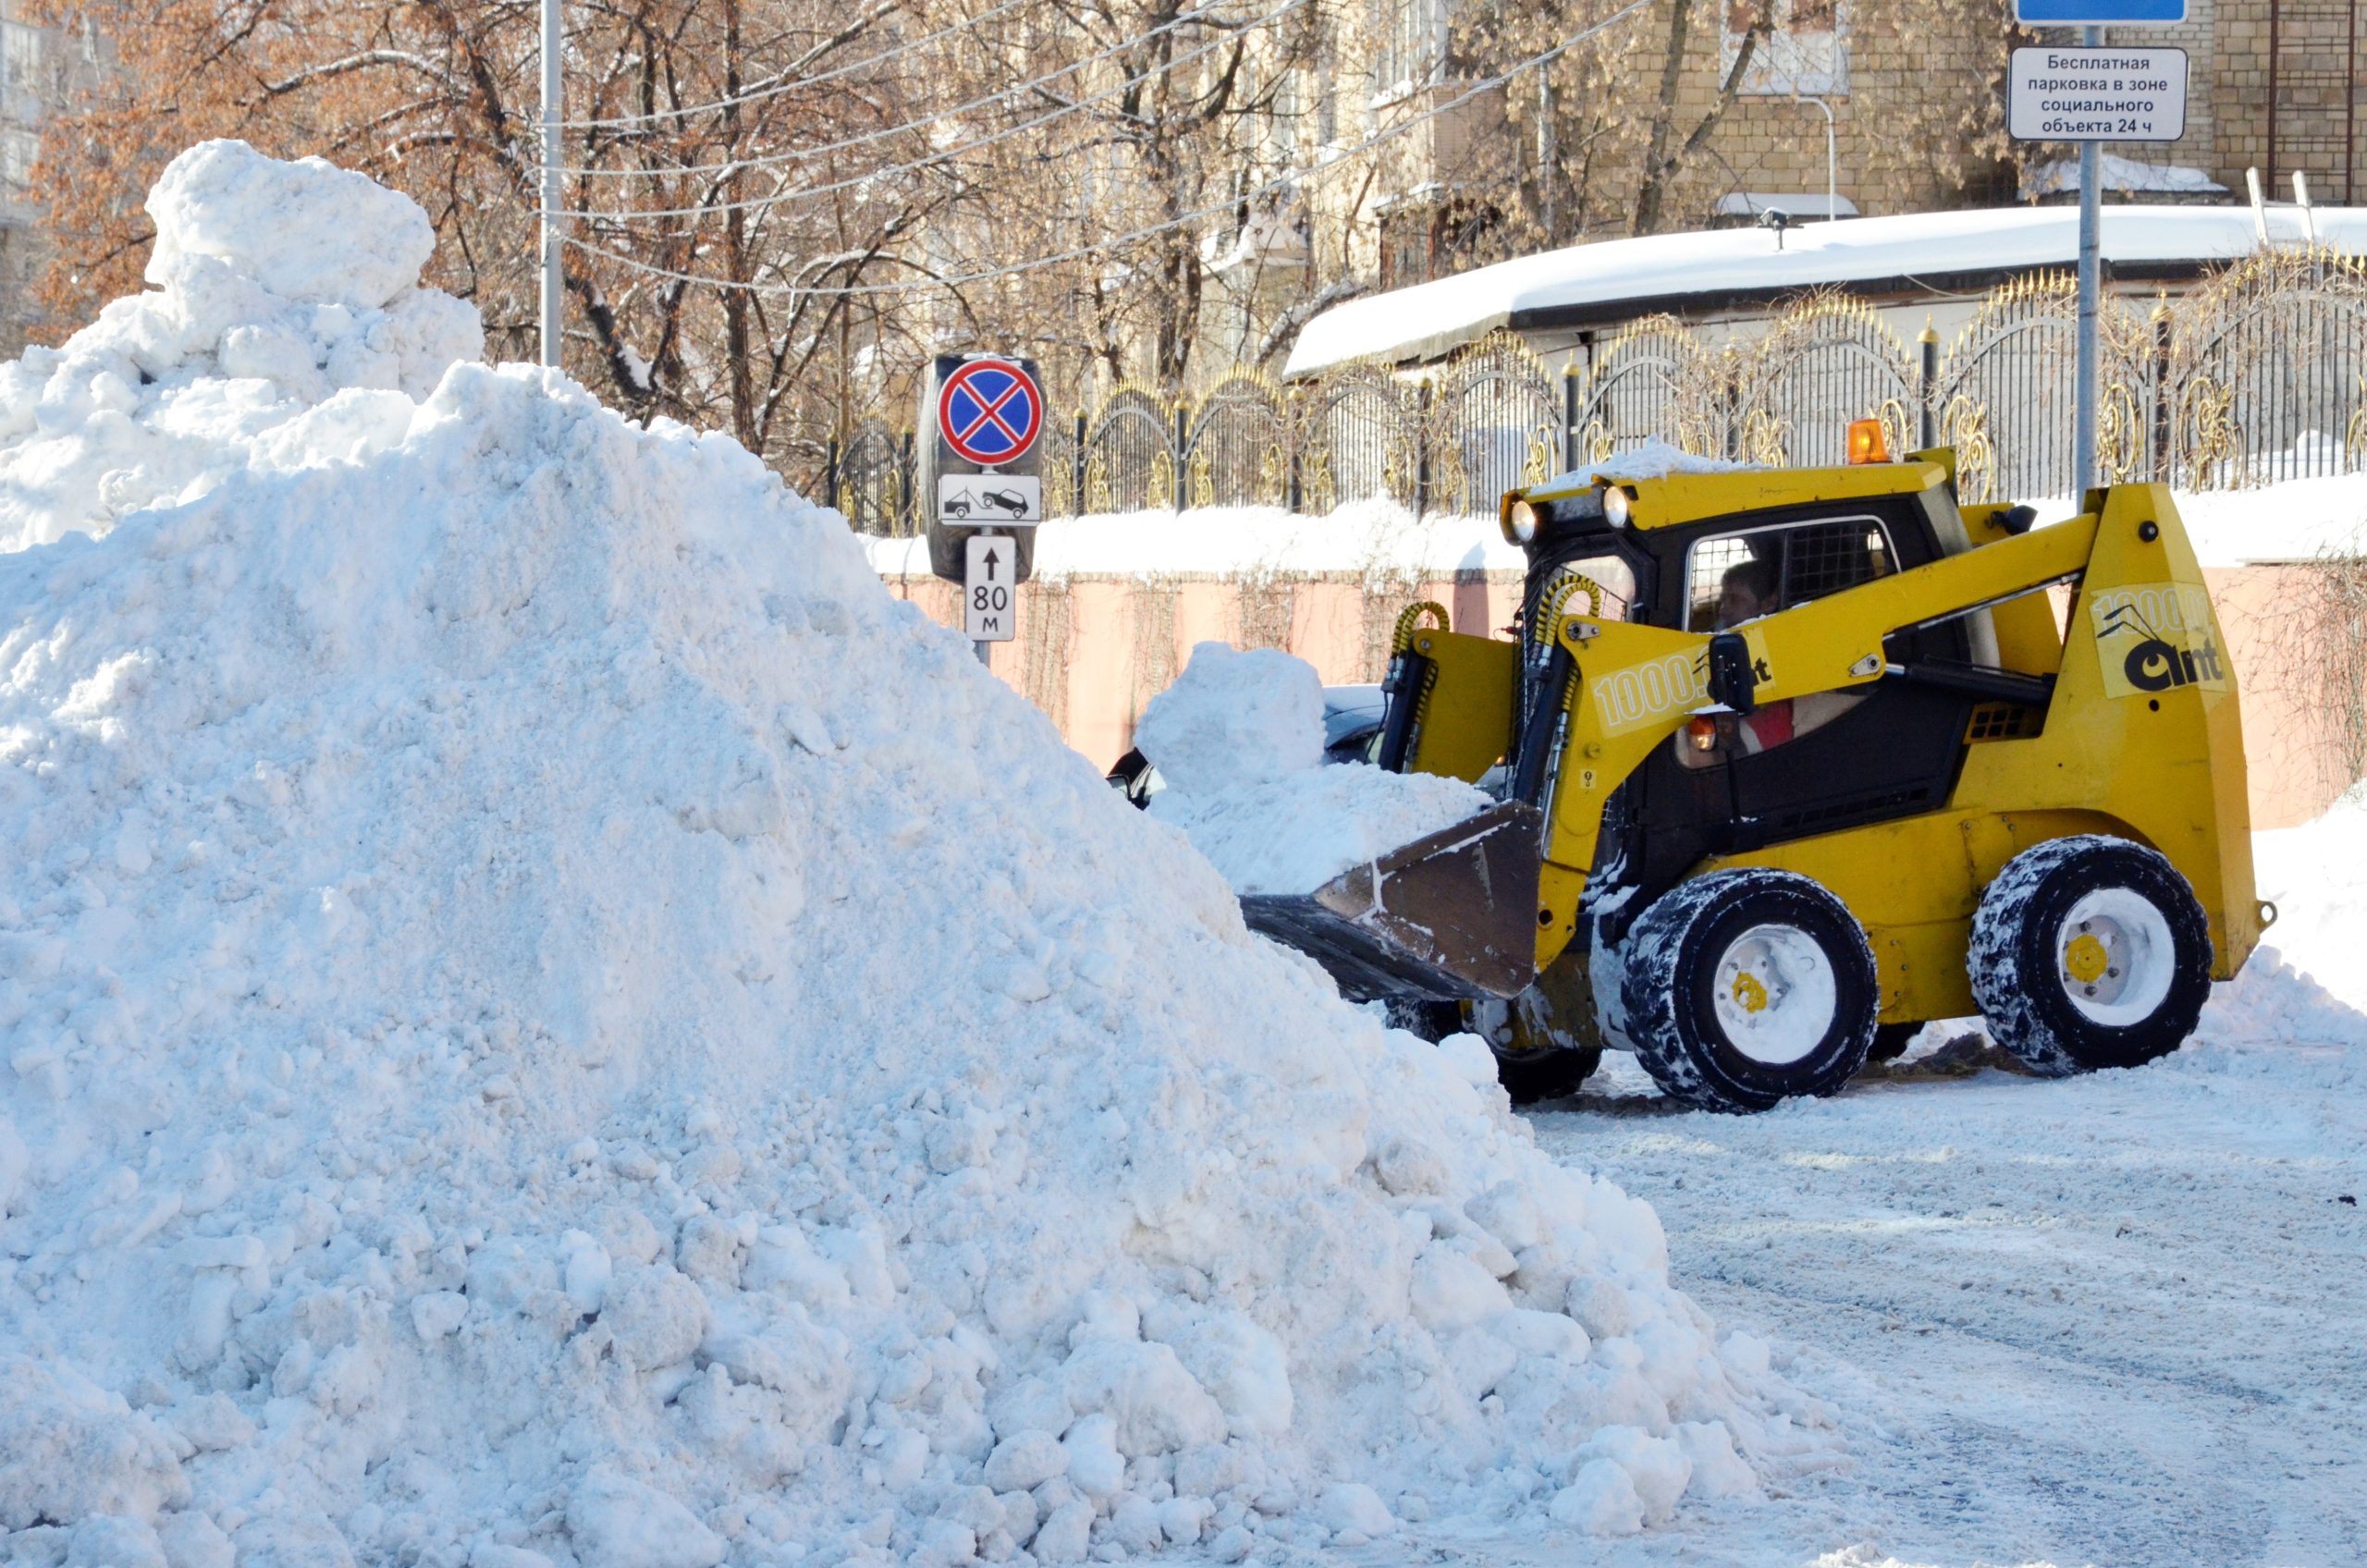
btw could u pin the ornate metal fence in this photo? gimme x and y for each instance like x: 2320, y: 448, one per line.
x: 2268, y: 372
x: 1828, y: 360
x: 869, y: 478
x: 1129, y: 450
x: 1358, y: 435
x: 1494, y: 425
x: 2259, y: 374
x: 1236, y: 448
x: 1655, y: 379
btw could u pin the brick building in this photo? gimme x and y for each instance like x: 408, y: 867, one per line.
x: 1914, y: 98
x: 38, y: 66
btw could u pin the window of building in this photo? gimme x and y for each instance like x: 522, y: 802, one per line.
x: 1805, y: 50
x: 19, y: 145
x: 1429, y: 239
x: 1410, y: 36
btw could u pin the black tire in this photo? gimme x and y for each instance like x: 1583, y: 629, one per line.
x: 1891, y: 1041
x: 1420, y: 1015
x: 1529, y: 1072
x: 1535, y: 1059
x: 1552, y: 1074
x: 1696, y: 1049
x: 2144, y: 927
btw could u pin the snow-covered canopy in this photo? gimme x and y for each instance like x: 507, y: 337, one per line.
x: 1627, y: 277
x: 2134, y: 175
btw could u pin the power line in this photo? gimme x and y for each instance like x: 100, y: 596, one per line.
x: 780, y: 85
x: 805, y: 155
x: 988, y: 274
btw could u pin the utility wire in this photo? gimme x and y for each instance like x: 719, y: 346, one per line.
x: 775, y: 88
x: 807, y: 154
x: 988, y: 274
x: 871, y: 176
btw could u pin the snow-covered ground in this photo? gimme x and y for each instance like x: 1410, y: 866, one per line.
x: 2116, y: 1319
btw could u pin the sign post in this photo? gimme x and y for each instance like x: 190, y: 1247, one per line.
x: 2091, y: 95
x: 980, y: 475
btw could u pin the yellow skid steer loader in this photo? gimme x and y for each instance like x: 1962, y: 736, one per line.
x: 1792, y: 761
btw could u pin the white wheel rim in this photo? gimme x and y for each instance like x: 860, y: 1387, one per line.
x: 2113, y: 957
x: 1772, y: 992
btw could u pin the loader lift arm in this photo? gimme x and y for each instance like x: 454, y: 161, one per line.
x: 1637, y: 685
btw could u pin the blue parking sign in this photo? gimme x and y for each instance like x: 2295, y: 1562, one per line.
x: 2099, y: 13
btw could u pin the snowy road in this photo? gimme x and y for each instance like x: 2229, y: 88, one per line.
x: 2115, y: 1322
x: 2118, y: 1320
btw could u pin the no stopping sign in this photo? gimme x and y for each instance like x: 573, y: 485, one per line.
x: 990, y: 412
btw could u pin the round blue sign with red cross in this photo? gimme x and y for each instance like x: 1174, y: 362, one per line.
x: 990, y: 412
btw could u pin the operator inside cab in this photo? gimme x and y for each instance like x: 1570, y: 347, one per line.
x: 1751, y: 589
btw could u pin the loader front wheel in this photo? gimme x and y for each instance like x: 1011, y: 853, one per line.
x: 1745, y: 988
x: 2089, y: 952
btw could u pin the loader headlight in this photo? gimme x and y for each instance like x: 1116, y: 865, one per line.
x: 1616, y: 506
x: 1521, y: 520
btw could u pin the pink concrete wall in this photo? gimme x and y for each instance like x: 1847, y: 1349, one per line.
x: 1092, y: 651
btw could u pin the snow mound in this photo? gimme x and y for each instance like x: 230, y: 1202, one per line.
x: 279, y: 286
x: 1232, y: 718
x: 1295, y: 833
x: 1654, y: 459
x: 1238, y: 742
x: 550, y: 1020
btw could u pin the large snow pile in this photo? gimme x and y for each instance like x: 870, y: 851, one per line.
x: 549, y: 1020
x: 280, y: 284
x: 1238, y: 742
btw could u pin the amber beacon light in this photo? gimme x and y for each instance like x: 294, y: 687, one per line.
x: 1867, y: 444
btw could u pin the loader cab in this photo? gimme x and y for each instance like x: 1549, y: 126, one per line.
x: 1821, y: 765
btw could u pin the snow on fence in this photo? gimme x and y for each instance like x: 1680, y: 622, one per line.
x: 2259, y: 374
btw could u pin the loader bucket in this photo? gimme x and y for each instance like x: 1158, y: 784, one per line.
x: 1449, y: 917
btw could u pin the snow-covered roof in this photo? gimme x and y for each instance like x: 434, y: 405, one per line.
x: 1946, y: 253
x: 1795, y: 204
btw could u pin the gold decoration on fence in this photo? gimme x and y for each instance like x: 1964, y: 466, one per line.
x: 1761, y: 439
x: 2120, y: 435
x: 1965, y: 426
x: 2212, y: 439
x: 1489, y: 392
x: 1898, y: 429
x: 1357, y: 436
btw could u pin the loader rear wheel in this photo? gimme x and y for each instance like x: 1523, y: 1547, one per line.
x: 1744, y: 988
x: 2089, y: 952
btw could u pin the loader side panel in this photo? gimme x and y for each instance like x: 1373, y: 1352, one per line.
x: 2145, y: 728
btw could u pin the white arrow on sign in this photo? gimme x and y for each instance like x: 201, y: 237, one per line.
x: 986, y: 603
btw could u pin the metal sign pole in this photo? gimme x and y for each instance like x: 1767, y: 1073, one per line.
x: 2083, y: 422
x: 551, y: 298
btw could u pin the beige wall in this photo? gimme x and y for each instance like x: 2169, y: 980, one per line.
x: 1092, y: 651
